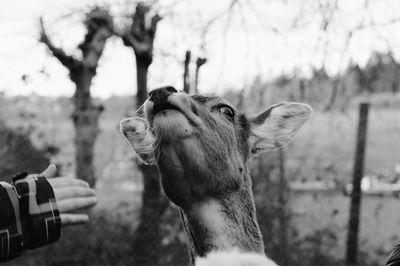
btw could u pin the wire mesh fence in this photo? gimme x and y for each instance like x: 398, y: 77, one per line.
x: 316, y: 222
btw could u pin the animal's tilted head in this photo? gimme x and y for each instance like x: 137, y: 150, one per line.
x: 201, y: 144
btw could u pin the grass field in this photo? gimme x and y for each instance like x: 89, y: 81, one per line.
x: 327, y: 144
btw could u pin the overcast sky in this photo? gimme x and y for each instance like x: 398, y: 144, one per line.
x: 260, y: 38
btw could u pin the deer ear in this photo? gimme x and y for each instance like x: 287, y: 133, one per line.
x: 137, y: 133
x: 276, y: 126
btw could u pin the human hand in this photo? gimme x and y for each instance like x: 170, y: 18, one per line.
x: 71, y: 194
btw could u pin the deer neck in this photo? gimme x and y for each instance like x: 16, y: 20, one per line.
x: 223, y: 224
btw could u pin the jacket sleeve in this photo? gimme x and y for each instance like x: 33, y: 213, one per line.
x: 29, y: 217
x: 11, y: 235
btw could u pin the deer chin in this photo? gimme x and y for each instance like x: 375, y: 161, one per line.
x: 171, y: 124
x: 183, y: 176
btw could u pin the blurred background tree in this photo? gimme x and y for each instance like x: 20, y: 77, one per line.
x: 140, y: 37
x: 99, y: 26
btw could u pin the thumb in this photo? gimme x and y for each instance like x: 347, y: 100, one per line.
x: 50, y: 172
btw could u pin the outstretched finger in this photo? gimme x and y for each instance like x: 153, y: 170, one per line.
x: 67, y: 181
x: 73, y: 192
x: 50, y: 171
x: 73, y: 219
x: 74, y: 204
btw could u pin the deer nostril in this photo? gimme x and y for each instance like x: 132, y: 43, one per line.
x: 171, y: 89
x: 150, y: 93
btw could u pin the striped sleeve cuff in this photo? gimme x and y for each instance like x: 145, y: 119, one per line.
x: 39, y: 211
x: 11, y: 240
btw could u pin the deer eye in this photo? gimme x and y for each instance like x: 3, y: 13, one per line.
x: 227, y: 111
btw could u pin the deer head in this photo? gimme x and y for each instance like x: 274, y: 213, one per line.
x: 201, y: 146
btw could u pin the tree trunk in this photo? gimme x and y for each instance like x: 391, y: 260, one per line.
x: 99, y: 25
x: 146, y: 244
x: 332, y: 99
x: 86, y: 132
x: 147, y: 240
x: 85, y: 118
x: 395, y: 82
x: 141, y: 79
x: 199, y: 62
x: 186, y: 75
x: 302, y: 89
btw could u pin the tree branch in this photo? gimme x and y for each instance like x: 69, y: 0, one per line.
x: 92, y: 58
x: 100, y: 27
x: 199, y: 62
x: 132, y: 41
x: 140, y: 35
x: 153, y: 25
x: 67, y: 60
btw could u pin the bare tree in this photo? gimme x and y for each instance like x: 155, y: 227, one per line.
x: 99, y: 25
x: 396, y: 69
x: 199, y: 63
x: 147, y: 241
x: 140, y: 37
x: 336, y: 83
x: 186, y: 72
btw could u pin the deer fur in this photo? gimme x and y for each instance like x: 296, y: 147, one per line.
x: 201, y: 146
x: 234, y: 258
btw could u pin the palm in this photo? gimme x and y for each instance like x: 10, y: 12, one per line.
x: 71, y: 194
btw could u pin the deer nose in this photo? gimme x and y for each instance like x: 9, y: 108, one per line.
x: 160, y: 95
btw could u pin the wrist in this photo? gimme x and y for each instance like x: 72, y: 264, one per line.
x: 40, y: 218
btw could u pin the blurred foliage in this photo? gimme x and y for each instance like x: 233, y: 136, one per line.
x: 104, y: 241
x: 322, y: 91
x: 107, y: 240
x: 18, y: 154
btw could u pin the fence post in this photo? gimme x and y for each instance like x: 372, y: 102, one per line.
x: 354, y: 215
x: 283, y: 214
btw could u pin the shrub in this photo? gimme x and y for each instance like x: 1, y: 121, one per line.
x: 18, y: 154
